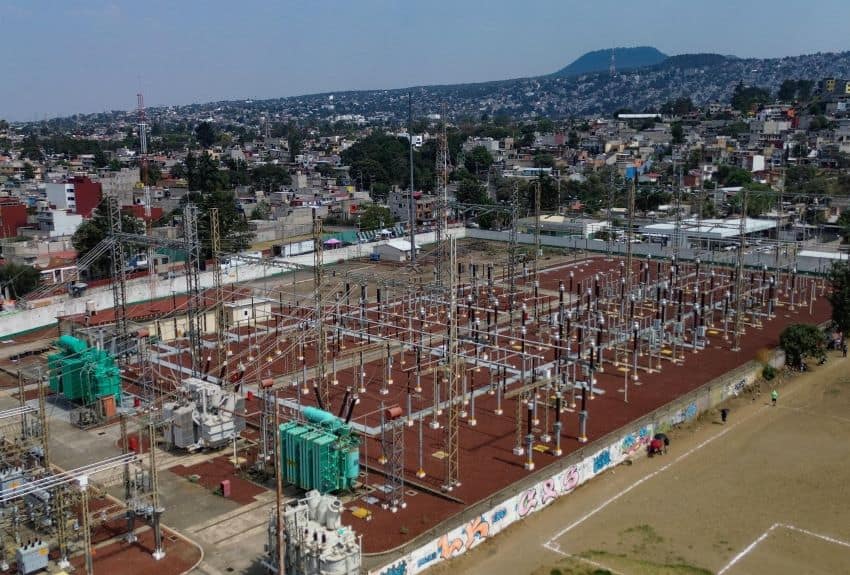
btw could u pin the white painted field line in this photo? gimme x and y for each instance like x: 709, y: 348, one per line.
x: 642, y: 480
x: 555, y: 549
x: 826, y: 538
x: 747, y: 549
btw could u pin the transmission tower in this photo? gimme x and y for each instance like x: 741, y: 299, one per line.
x: 513, y: 250
x: 193, y: 285
x: 318, y: 257
x: 631, y: 233
x: 612, y: 67
x: 119, y: 277
x: 442, y: 172
x: 452, y: 377
x: 220, y: 322
x: 739, y: 271
x: 412, y: 201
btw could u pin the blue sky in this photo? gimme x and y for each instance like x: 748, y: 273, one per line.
x: 66, y: 56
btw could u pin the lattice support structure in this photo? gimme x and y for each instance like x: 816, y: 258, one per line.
x: 321, y: 336
x: 453, y: 377
x: 220, y: 321
x: 119, y: 277
x: 193, y: 287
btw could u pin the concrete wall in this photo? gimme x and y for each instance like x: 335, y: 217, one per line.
x: 756, y: 260
x: 45, y: 312
x: 484, y: 520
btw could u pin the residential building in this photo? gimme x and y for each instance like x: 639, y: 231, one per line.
x: 79, y: 195
x: 399, y: 204
x: 13, y: 215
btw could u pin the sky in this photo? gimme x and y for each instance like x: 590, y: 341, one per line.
x: 66, y: 57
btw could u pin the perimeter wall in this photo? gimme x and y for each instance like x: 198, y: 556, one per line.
x: 485, y: 519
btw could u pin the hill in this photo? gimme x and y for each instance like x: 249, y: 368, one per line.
x: 625, y: 59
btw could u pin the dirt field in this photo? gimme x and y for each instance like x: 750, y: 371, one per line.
x: 766, y: 493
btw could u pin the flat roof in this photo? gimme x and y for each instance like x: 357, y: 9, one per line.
x: 710, y: 228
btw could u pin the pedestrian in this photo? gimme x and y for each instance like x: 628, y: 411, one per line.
x: 724, y: 413
x: 844, y: 350
x: 774, y: 395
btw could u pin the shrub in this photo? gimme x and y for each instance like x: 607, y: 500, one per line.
x: 769, y: 372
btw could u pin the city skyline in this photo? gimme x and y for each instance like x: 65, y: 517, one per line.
x: 88, y: 57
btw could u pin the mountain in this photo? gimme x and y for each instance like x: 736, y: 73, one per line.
x: 704, y: 78
x: 625, y: 59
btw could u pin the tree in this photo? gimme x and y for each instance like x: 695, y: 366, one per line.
x: 746, y: 98
x: 29, y: 171
x: 261, y: 211
x: 375, y: 217
x: 844, y: 223
x: 270, y: 177
x: 471, y: 191
x: 295, y: 143
x: 205, y: 134
x: 787, y: 90
x: 677, y: 133
x: 839, y: 296
x: 479, y: 160
x: 801, y: 340
x: 20, y: 279
x: 94, y: 230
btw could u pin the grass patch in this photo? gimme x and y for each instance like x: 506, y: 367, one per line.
x: 644, y: 567
x: 646, y: 532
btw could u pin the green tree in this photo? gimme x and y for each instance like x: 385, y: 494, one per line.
x: 471, y: 191
x: 205, y: 134
x: 94, y: 230
x: 270, y: 177
x: 844, y: 223
x: 479, y: 160
x: 375, y: 217
x: 295, y: 142
x: 677, y: 133
x: 746, y: 98
x: 801, y: 340
x: 839, y: 295
x: 261, y: 211
x: 29, y: 171
x: 20, y: 279
x: 787, y: 90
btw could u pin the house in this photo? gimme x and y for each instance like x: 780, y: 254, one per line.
x: 396, y: 250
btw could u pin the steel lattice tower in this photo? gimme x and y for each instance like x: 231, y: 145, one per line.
x: 220, y: 321
x: 193, y: 287
x: 119, y: 277
x: 453, y: 375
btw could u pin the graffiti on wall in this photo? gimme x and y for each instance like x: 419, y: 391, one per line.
x: 685, y: 414
x: 634, y: 442
x: 601, y: 461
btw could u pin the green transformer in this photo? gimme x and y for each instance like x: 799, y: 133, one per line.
x: 83, y: 374
x: 321, y: 453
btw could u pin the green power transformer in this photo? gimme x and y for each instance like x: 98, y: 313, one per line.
x: 83, y: 374
x: 322, y: 453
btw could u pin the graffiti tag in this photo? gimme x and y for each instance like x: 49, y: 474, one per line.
x: 601, y: 461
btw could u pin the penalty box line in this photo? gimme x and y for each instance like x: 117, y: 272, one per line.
x: 749, y: 548
x: 641, y: 481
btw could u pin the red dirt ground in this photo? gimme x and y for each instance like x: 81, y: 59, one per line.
x: 214, y: 471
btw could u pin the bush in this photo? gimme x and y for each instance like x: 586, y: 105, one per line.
x: 768, y: 373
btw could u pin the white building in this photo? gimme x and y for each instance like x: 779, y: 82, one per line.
x: 61, y: 196
x: 57, y: 223
x: 396, y: 250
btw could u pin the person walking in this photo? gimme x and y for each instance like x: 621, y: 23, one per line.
x: 844, y: 350
x: 724, y: 413
x: 774, y: 395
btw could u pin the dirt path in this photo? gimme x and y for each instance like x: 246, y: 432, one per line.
x: 768, y: 488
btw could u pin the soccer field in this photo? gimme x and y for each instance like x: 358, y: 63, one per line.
x: 767, y: 492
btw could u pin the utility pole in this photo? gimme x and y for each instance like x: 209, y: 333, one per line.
x: 452, y: 372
